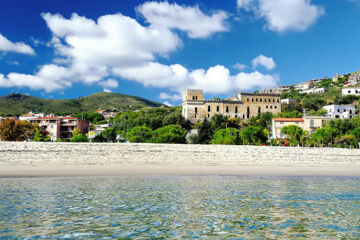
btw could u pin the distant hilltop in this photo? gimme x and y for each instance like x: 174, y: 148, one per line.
x: 18, y: 104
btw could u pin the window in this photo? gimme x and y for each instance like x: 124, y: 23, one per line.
x: 227, y: 109
x: 271, y: 107
x: 243, y: 116
x: 349, y: 91
x: 278, y: 100
x: 209, y: 109
x: 217, y: 108
x: 312, y: 123
x: 338, y: 110
x: 193, y: 97
x: 350, y: 111
x: 264, y: 99
x: 296, y: 122
x: 273, y: 99
x: 256, y: 99
x: 208, y: 115
x: 281, y: 122
x: 275, y: 107
x: 196, y: 110
x: 269, y: 99
x: 247, y: 99
x: 259, y: 110
x: 235, y: 116
x: 236, y: 109
x: 267, y: 107
x: 196, y: 97
x: 248, y: 110
x: 260, y: 99
x: 252, y: 100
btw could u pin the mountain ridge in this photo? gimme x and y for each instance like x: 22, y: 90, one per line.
x: 17, y: 104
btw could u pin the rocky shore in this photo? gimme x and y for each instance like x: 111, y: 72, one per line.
x: 45, y: 159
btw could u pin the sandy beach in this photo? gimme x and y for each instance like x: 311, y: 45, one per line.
x: 19, y: 159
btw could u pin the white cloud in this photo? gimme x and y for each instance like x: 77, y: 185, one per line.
x: 264, y: 61
x: 107, y: 90
x: 188, y: 19
x: 109, y: 83
x: 18, y: 47
x: 91, y: 51
x: 240, y: 66
x: 284, y: 15
x: 49, y: 77
x: 167, y: 104
x: 216, y: 79
x: 173, y: 97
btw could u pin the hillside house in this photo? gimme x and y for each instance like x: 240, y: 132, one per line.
x: 340, y: 111
x: 351, y: 91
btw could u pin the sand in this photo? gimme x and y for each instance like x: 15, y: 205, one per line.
x: 20, y: 159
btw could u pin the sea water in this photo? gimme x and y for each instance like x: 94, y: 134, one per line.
x: 180, y: 207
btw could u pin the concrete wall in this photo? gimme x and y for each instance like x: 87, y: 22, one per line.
x: 68, y: 154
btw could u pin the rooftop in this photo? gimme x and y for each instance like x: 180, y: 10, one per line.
x: 288, y: 119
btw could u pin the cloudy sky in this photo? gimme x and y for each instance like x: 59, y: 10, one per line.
x: 66, y: 48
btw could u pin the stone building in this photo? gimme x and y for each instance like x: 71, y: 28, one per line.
x: 242, y: 106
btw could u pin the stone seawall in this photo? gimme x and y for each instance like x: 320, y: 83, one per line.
x: 16, y: 154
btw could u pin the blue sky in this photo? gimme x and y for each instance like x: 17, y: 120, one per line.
x: 66, y: 49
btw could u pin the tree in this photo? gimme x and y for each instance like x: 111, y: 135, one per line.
x: 78, y: 136
x: 324, y: 136
x: 254, y: 135
x: 10, y: 130
x: 293, y: 134
x: 205, y: 132
x: 229, y: 136
x: 170, y: 134
x: 109, y: 134
x: 40, y: 136
x: 139, y: 134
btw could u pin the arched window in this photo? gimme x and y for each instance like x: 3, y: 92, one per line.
x: 236, y: 109
x: 217, y: 108
x: 227, y: 109
x: 259, y: 110
x: 209, y: 109
x: 196, y: 110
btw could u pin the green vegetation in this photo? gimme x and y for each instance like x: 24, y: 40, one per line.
x: 93, y: 117
x: 170, y: 134
x: 78, y: 136
x: 40, y: 136
x: 293, y: 133
x: 229, y: 136
x: 17, y: 104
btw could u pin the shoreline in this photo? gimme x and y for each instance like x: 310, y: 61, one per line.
x: 28, y: 159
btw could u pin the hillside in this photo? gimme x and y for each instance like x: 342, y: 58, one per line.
x: 17, y: 104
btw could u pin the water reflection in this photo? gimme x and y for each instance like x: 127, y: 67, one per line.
x: 205, y: 207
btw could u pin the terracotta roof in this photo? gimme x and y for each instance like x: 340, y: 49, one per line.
x: 46, y: 118
x: 70, y: 118
x: 27, y: 115
x: 288, y: 119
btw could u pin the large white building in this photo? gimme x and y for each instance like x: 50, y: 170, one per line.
x: 340, y: 111
x: 351, y: 91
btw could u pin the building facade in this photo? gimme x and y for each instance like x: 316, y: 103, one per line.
x: 307, y: 123
x: 288, y: 101
x: 242, y: 106
x: 60, y: 127
x: 315, y: 90
x: 351, y: 91
x: 340, y: 111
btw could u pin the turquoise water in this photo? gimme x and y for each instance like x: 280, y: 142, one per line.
x: 180, y: 207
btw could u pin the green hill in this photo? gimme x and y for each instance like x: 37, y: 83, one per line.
x: 17, y: 104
